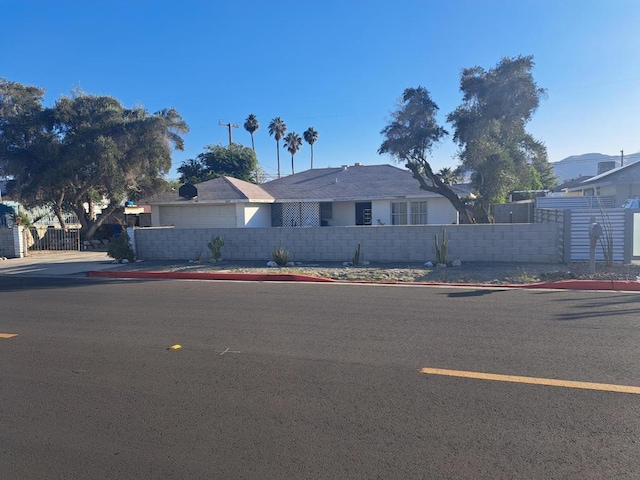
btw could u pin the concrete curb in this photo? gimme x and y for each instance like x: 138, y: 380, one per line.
x: 610, y: 285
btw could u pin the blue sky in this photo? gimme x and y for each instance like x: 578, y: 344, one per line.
x: 338, y: 66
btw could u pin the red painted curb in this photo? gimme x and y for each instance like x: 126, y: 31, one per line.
x: 256, y: 277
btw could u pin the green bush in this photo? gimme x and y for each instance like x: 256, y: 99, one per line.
x: 120, y: 247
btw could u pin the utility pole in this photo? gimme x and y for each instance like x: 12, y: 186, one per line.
x: 622, y: 158
x: 230, y: 126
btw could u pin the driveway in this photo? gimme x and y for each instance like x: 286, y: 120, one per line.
x: 56, y: 263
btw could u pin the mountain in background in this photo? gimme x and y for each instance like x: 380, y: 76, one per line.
x: 587, y: 165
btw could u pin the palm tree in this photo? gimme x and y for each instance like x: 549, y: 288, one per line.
x: 310, y: 136
x: 448, y: 176
x: 292, y: 142
x: 251, y: 124
x: 277, y: 129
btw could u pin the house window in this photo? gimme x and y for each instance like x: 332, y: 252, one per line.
x: 326, y: 212
x: 399, y: 213
x: 418, y: 213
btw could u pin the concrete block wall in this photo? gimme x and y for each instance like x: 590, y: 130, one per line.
x: 526, y: 243
x: 11, y: 242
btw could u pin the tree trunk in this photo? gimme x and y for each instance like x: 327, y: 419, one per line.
x: 464, y: 212
x: 57, y: 210
x: 278, y: 155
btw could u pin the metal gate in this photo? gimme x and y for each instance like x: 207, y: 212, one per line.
x: 50, y: 238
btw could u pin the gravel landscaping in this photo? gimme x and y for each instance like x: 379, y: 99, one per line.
x: 471, y: 272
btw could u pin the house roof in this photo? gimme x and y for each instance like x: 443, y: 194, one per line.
x: 359, y: 182
x: 629, y: 173
x: 218, y: 190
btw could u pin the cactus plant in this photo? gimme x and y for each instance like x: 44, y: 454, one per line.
x: 441, y: 249
x: 215, y: 245
x: 356, y: 256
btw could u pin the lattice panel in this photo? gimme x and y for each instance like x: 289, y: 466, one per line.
x: 305, y: 214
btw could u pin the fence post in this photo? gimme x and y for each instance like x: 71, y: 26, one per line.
x: 18, y: 241
x: 131, y: 231
x: 628, y: 236
x: 566, y: 237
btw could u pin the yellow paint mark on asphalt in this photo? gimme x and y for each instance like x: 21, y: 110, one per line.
x: 607, y: 387
x: 8, y: 335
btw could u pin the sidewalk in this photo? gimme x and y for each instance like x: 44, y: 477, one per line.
x: 63, y: 263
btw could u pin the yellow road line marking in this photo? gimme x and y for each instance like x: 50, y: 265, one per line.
x: 8, y: 335
x: 533, y: 380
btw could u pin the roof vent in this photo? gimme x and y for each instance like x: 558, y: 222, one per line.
x: 188, y: 191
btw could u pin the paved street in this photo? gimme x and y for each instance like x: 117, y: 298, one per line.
x: 278, y: 380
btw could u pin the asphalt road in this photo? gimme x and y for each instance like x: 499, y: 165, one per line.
x: 313, y: 381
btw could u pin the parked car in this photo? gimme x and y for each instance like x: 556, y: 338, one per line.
x: 632, y: 203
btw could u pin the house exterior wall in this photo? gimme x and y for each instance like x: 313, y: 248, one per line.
x: 197, y: 216
x: 381, y: 212
x: 624, y: 191
x: 535, y: 243
x: 343, y: 214
x: 254, y: 215
x: 440, y: 211
x: 620, y: 191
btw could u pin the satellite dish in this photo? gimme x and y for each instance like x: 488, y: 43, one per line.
x: 188, y: 191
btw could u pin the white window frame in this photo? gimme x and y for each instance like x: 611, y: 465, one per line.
x: 419, y: 213
x: 399, y: 213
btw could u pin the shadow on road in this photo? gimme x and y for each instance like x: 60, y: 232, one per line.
x: 11, y: 283
x: 474, y: 293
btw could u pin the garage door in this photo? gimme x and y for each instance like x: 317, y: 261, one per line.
x: 199, y: 216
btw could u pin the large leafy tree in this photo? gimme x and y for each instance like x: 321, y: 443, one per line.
x: 83, y: 151
x: 252, y: 125
x: 193, y: 171
x: 410, y: 138
x: 277, y: 129
x: 311, y: 137
x: 292, y: 142
x: 235, y: 161
x: 489, y: 127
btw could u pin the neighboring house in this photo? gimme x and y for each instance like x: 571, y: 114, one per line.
x: 620, y: 183
x: 355, y: 195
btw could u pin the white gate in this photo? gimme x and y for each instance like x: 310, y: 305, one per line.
x: 50, y: 238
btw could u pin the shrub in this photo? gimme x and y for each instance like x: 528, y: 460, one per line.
x: 120, y: 247
x: 280, y: 256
